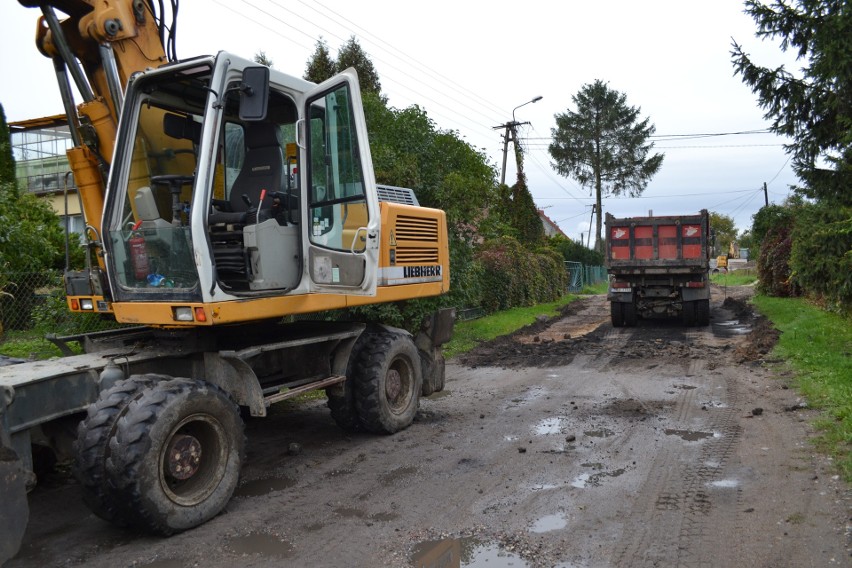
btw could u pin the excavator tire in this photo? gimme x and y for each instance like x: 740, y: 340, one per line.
x: 91, y: 448
x: 176, y: 456
x: 341, y: 398
x: 388, y: 381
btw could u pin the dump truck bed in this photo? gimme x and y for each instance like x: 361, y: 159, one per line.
x: 668, y: 244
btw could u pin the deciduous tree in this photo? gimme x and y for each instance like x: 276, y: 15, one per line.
x: 604, y: 146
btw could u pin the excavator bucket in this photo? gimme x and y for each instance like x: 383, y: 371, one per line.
x: 15, y: 511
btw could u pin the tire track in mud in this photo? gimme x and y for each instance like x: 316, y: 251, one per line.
x: 673, y: 520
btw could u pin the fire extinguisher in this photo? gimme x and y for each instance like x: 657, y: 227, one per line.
x: 138, y: 253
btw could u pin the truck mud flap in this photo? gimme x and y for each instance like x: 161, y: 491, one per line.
x: 15, y: 511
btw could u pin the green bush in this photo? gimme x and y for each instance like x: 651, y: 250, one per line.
x: 515, y: 276
x: 821, y: 255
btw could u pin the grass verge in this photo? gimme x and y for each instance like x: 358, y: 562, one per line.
x: 818, y: 347
x: 467, y: 334
x: 735, y: 278
x: 28, y: 345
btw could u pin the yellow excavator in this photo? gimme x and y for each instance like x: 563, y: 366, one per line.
x: 222, y: 201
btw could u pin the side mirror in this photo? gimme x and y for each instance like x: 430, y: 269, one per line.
x: 254, y: 93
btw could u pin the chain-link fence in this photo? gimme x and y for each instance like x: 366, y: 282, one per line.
x: 580, y: 275
x: 34, y: 303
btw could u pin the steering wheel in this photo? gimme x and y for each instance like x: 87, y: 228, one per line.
x: 175, y: 183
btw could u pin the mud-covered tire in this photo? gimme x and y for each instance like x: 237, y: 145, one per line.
x: 176, y: 456
x: 631, y: 319
x: 91, y: 448
x: 342, y: 406
x: 616, y: 314
x: 702, y: 313
x: 688, y: 314
x: 388, y: 381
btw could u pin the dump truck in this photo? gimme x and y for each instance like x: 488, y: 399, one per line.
x: 223, y: 202
x: 659, y: 268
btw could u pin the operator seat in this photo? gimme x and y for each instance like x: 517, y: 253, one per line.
x: 262, y: 168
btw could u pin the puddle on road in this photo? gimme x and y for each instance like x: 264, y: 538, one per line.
x: 439, y: 394
x: 543, y: 486
x: 731, y: 328
x: 463, y: 553
x: 725, y: 483
x: 532, y: 394
x: 262, y: 544
x: 689, y: 435
x: 581, y: 480
x: 548, y: 426
x: 260, y: 487
x: 602, y: 433
x: 595, y: 479
x: 549, y: 523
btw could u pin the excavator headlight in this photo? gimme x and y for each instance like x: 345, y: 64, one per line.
x: 182, y: 313
x: 87, y: 304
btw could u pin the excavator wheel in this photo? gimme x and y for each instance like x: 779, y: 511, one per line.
x: 91, y: 449
x: 388, y: 381
x: 176, y: 456
x: 341, y: 397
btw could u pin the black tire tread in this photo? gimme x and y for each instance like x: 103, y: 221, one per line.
x: 371, y: 360
x: 132, y: 442
x: 91, y: 448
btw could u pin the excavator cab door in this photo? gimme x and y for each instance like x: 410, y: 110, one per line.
x: 342, y: 209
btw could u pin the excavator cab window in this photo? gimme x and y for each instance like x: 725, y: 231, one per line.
x: 150, y: 236
x: 338, y: 204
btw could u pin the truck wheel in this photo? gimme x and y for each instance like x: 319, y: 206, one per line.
x: 91, y: 448
x: 616, y: 314
x: 688, y: 314
x: 630, y: 317
x: 388, y: 381
x: 176, y: 456
x: 702, y: 312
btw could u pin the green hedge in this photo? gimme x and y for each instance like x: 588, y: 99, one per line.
x: 515, y: 276
x: 821, y: 255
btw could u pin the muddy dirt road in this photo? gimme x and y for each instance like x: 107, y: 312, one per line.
x: 573, y: 444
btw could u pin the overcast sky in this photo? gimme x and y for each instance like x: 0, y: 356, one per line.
x: 470, y: 63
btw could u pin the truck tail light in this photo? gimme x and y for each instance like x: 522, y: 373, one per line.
x: 619, y: 286
x: 695, y: 284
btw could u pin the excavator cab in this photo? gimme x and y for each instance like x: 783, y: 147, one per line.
x: 231, y: 184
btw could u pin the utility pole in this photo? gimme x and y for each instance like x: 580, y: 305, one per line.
x: 765, y: 191
x: 511, y: 133
x: 589, y: 244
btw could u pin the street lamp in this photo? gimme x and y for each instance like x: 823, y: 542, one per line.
x: 533, y: 100
x: 511, y: 129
